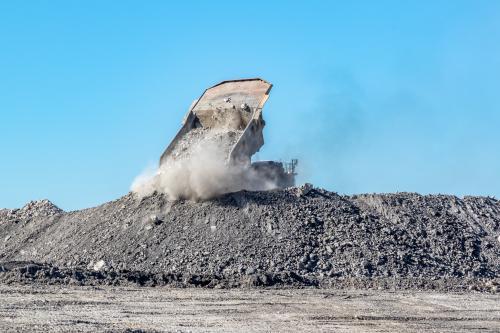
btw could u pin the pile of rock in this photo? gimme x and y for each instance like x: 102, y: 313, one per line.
x: 298, y: 234
x: 37, y: 208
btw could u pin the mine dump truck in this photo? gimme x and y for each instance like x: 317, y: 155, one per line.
x: 231, y: 112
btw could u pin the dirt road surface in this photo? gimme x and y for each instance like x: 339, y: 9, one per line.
x: 111, y: 309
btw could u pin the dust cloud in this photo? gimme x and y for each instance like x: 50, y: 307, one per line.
x: 200, y: 171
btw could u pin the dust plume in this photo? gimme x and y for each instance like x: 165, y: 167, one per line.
x: 199, y: 170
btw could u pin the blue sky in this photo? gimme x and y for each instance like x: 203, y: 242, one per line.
x: 371, y: 96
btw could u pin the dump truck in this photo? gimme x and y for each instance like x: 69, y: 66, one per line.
x: 230, y: 113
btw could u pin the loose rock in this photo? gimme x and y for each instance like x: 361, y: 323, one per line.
x: 402, y: 240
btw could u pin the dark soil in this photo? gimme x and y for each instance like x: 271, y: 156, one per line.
x: 294, y: 237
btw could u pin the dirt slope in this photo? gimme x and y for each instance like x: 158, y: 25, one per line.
x: 282, y: 237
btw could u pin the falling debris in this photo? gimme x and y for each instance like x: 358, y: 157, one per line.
x: 212, y: 152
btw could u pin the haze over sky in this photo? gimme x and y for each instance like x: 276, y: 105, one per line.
x: 371, y: 96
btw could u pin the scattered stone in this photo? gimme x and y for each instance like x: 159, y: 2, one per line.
x: 99, y: 266
x: 155, y: 219
x: 250, y: 270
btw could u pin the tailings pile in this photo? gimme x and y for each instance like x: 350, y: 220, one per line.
x: 293, y: 237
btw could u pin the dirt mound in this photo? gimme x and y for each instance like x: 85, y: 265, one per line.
x: 33, y: 209
x: 298, y: 236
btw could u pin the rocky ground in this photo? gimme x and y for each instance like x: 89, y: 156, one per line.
x: 285, y: 238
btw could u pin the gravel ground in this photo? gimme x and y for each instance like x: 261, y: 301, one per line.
x: 111, y: 309
x: 295, y: 237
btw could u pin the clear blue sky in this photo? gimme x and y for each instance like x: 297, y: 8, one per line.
x: 371, y: 96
